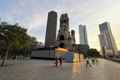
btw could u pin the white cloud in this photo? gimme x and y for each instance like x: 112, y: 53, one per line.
x: 37, y: 26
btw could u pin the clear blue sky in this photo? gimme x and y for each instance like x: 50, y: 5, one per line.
x: 32, y: 14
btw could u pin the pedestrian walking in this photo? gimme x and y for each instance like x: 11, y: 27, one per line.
x: 93, y: 61
x: 59, y: 52
x: 58, y: 61
x: 88, y: 64
x: 61, y: 61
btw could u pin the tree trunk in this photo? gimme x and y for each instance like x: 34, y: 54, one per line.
x: 5, y: 57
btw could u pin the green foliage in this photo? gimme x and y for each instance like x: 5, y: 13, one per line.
x: 14, y: 38
x: 93, y: 53
x: 16, y: 35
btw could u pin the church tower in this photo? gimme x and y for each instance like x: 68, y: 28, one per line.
x: 64, y: 38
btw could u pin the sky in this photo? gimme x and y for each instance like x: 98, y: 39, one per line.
x: 32, y: 14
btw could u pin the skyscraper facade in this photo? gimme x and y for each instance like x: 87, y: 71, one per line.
x: 50, y: 38
x: 107, y: 41
x: 83, y: 35
x: 83, y: 47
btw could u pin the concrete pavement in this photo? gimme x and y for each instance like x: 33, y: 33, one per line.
x: 45, y: 70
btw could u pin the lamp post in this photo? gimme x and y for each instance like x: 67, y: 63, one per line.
x: 103, y: 51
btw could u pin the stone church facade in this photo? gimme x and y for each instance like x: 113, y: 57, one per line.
x: 65, y: 38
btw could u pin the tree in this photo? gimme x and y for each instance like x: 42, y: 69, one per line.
x: 15, y: 38
x: 93, y: 53
x: 3, y: 44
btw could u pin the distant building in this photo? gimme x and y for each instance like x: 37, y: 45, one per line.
x: 83, y: 47
x: 50, y: 39
x: 83, y: 35
x: 107, y: 42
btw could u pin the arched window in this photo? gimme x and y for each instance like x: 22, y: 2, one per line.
x: 62, y: 37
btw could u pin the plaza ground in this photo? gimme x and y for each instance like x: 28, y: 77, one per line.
x: 45, y: 70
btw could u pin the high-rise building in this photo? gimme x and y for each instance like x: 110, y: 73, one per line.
x: 51, y: 29
x: 107, y: 41
x: 83, y: 35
